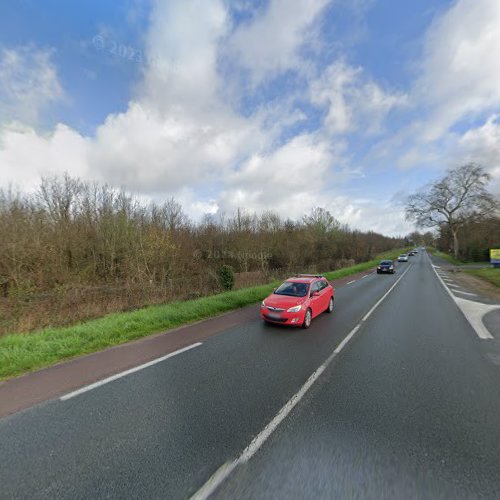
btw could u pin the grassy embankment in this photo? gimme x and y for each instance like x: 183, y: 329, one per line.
x: 21, y: 353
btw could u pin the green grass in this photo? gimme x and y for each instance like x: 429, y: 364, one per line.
x: 491, y: 274
x: 452, y: 260
x: 448, y: 257
x: 21, y: 353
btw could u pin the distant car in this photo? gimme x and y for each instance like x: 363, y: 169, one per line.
x: 385, y: 266
x: 298, y: 300
x: 403, y: 258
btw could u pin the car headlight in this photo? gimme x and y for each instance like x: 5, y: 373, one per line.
x: 263, y: 304
x: 294, y: 309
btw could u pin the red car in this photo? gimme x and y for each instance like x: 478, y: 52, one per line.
x: 298, y: 300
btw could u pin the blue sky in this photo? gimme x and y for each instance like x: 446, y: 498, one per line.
x: 268, y: 105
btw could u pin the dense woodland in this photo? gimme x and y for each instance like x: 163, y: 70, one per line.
x: 74, y: 250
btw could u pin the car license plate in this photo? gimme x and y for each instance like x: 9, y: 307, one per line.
x: 274, y: 315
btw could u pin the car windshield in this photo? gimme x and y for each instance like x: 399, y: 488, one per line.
x: 386, y: 263
x: 293, y: 289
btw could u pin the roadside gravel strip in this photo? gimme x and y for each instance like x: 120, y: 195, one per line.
x: 25, y: 391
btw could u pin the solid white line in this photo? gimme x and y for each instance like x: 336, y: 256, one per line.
x: 226, y: 469
x: 473, y: 317
x: 127, y: 372
x: 350, y: 282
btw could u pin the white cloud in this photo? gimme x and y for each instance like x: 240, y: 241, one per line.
x: 271, y: 43
x: 482, y: 145
x: 28, y: 83
x: 149, y: 152
x: 25, y: 155
x: 460, y: 71
x: 287, y: 179
x: 183, y: 40
x: 352, y: 100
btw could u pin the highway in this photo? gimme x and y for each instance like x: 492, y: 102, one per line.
x: 394, y: 395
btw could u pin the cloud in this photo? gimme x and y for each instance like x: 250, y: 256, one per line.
x: 184, y: 133
x: 460, y: 73
x: 352, y: 100
x: 482, y: 145
x: 32, y: 155
x: 286, y: 180
x: 28, y: 83
x: 183, y: 40
x: 271, y: 43
x: 152, y: 152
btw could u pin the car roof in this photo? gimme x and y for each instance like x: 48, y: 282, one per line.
x: 303, y: 279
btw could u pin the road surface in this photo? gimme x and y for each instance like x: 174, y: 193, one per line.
x: 395, y: 395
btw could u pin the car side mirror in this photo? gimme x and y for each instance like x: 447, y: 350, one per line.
x: 314, y: 294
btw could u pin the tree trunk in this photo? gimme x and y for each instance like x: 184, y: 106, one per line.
x: 455, y: 243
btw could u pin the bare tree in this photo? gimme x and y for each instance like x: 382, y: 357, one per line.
x: 457, y: 199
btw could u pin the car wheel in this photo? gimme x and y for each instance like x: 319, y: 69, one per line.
x: 330, y: 305
x: 307, y: 319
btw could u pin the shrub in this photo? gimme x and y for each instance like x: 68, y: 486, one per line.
x: 226, y: 277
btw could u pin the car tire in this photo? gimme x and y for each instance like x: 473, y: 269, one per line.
x: 331, y: 305
x: 378, y: 272
x: 307, y: 319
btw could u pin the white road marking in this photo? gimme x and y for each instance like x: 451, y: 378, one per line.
x: 473, y: 311
x: 466, y: 293
x: 226, y: 469
x: 127, y: 372
x: 437, y: 267
x: 365, y: 276
x: 351, y: 282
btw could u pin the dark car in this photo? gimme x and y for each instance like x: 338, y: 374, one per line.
x: 385, y: 266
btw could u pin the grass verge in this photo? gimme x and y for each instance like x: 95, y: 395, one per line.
x: 448, y: 257
x: 21, y: 353
x: 492, y: 275
x: 452, y: 260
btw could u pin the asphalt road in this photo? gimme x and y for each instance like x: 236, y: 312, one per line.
x: 410, y: 408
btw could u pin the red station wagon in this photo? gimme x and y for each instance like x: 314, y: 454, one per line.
x: 298, y: 300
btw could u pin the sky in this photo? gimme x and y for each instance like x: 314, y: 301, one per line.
x: 279, y: 105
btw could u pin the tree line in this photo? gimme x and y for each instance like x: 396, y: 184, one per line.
x: 75, y: 232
